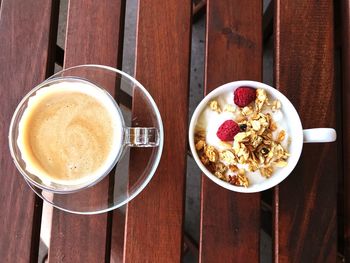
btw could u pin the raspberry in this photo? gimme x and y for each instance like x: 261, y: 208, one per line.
x: 228, y: 130
x: 244, y: 95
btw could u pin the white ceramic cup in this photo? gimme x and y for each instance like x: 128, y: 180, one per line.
x: 294, y: 130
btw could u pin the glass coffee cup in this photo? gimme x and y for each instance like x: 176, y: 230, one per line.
x: 68, y: 133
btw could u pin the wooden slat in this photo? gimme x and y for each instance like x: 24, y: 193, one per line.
x: 305, y: 204
x: 93, y: 36
x: 345, y: 7
x: 155, y: 217
x: 25, y: 41
x: 230, y: 222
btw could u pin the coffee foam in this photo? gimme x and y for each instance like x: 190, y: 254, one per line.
x: 70, y: 133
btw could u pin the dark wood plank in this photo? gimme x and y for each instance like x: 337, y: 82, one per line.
x: 305, y: 203
x: 93, y: 36
x: 230, y: 222
x: 345, y: 15
x: 25, y: 41
x: 155, y: 218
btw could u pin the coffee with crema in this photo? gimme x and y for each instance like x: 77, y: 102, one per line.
x: 70, y: 133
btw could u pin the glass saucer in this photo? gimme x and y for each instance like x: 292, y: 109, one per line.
x: 136, y: 165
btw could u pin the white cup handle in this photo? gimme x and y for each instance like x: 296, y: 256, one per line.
x: 319, y: 135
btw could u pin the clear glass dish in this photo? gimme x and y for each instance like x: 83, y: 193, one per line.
x: 135, y: 167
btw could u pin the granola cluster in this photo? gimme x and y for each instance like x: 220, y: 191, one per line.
x: 255, y: 148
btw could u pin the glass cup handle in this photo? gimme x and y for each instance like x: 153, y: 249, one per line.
x: 141, y: 137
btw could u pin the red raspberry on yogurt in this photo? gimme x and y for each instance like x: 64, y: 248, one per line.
x: 228, y: 130
x: 243, y: 96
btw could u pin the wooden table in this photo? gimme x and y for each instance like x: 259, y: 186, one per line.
x: 308, y: 215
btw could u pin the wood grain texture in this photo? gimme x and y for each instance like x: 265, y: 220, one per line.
x: 93, y: 37
x: 24, y: 55
x: 230, y: 222
x: 345, y: 17
x: 155, y: 218
x: 305, y: 204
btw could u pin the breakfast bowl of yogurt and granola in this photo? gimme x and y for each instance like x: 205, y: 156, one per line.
x: 247, y: 136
